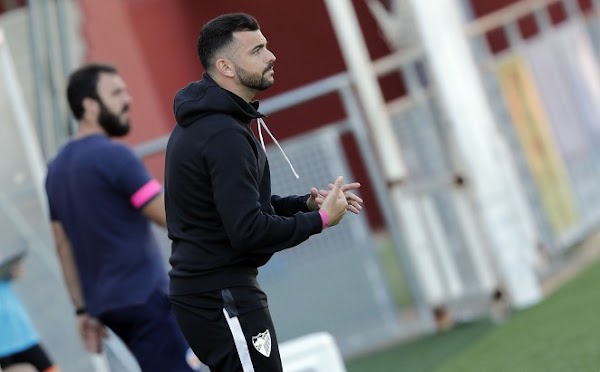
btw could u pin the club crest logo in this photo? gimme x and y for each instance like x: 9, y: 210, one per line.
x: 262, y: 343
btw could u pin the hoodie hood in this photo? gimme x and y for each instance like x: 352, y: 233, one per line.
x: 205, y: 97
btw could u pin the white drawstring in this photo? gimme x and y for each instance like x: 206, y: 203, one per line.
x: 261, y: 123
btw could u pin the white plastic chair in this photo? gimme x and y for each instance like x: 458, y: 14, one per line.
x: 316, y: 352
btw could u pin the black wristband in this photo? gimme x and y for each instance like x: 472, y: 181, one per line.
x: 80, y: 310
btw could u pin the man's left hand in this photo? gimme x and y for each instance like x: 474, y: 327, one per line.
x: 354, y: 202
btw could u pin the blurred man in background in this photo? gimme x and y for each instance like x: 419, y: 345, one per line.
x: 102, y: 200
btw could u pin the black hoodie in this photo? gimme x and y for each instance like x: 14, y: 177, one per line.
x: 221, y: 216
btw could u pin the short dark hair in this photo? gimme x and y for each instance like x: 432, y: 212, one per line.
x: 218, y: 33
x: 83, y: 83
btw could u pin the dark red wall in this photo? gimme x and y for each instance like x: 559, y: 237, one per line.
x: 299, y: 33
x: 168, y: 44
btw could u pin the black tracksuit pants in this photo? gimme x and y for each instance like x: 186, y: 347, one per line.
x: 230, y: 330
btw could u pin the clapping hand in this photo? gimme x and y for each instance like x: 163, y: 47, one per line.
x: 316, y: 198
x: 335, y: 204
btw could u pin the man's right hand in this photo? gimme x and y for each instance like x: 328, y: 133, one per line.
x: 335, y: 203
x: 92, y: 332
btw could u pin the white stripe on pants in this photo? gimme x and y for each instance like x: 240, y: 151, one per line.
x: 240, y: 342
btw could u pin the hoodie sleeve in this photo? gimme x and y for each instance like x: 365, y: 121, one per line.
x: 289, y: 205
x: 233, y: 169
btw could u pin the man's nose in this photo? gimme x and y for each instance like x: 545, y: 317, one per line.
x: 128, y: 99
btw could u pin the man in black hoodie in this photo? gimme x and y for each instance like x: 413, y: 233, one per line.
x: 221, y: 216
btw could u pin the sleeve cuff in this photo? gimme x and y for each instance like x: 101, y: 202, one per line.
x: 324, y: 218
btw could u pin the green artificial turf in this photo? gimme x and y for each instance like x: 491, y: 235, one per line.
x: 423, y: 355
x: 560, y: 334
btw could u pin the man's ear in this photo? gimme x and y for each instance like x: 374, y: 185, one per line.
x: 90, y: 105
x: 224, y: 67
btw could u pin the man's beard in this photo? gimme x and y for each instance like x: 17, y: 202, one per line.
x: 254, y: 81
x: 111, y: 123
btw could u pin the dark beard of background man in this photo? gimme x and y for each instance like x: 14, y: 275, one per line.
x: 111, y: 122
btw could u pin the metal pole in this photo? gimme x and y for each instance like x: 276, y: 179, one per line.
x: 361, y: 69
x: 40, y: 83
x: 64, y: 42
x: 59, y: 125
x: 386, y: 146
